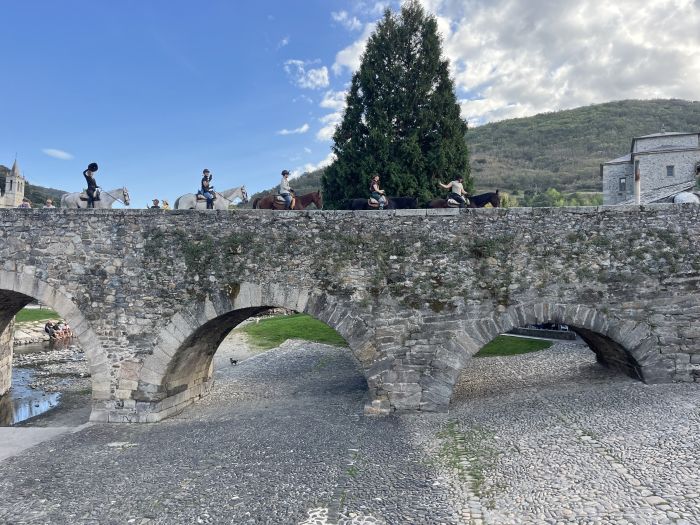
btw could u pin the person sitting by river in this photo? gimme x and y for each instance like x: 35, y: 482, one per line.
x: 48, y: 328
x: 457, y: 192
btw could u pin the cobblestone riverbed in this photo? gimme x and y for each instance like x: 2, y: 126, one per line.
x: 548, y: 437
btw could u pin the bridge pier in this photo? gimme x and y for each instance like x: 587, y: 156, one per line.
x: 6, y: 338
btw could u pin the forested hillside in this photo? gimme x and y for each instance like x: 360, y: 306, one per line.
x: 560, y: 151
x: 564, y: 150
x: 36, y: 194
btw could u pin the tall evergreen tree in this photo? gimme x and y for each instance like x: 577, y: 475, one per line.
x: 402, y: 120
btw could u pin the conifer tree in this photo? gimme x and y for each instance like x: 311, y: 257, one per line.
x: 402, y: 120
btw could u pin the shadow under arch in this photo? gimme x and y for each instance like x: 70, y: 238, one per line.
x: 19, y: 289
x: 180, y: 369
x: 622, y: 345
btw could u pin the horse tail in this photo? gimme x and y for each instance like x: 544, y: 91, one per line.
x: 497, y: 191
x: 256, y: 200
x: 177, y: 203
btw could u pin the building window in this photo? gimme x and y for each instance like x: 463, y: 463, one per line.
x: 10, y: 186
x: 670, y: 171
x: 623, y: 184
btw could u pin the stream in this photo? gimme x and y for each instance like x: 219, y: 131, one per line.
x: 44, y: 377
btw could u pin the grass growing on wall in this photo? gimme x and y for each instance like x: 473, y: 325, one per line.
x: 272, y: 332
x: 505, y: 345
x: 35, y: 314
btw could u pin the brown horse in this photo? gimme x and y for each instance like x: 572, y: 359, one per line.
x: 269, y: 202
x: 475, y: 201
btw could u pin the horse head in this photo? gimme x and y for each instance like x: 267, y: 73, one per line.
x: 318, y: 200
x: 125, y: 195
x: 244, y: 194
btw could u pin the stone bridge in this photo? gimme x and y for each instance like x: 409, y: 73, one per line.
x: 415, y: 293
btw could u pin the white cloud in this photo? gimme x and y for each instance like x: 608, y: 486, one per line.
x: 307, y: 150
x: 57, y: 154
x: 297, y: 131
x: 349, y: 22
x: 283, y: 43
x: 306, y: 168
x: 306, y: 78
x: 334, y: 100
x: 513, y: 58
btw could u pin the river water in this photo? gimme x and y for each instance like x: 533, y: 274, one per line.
x: 40, y: 371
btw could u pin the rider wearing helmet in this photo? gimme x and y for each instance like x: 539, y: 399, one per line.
x: 207, y: 190
x: 91, y: 184
x: 286, y: 190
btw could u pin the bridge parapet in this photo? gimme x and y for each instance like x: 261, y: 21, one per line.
x: 152, y: 293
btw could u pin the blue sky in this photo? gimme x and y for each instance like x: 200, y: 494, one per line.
x: 157, y: 90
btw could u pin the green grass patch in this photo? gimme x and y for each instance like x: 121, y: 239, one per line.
x: 35, y: 314
x: 505, y: 345
x: 272, y: 332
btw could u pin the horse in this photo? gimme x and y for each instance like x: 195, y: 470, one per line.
x: 268, y: 202
x: 475, y: 201
x: 361, y: 204
x: 403, y: 203
x: 107, y: 198
x: 189, y: 201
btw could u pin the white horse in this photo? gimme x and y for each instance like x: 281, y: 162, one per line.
x: 107, y: 198
x: 189, y: 201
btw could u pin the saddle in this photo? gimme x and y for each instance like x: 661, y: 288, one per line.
x: 373, y: 203
x: 201, y: 197
x: 83, y: 196
x: 279, y: 202
x: 451, y: 203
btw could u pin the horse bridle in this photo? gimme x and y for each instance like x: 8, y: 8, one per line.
x: 115, y: 198
x: 242, y: 188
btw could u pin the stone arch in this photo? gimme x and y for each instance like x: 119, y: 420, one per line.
x: 19, y: 289
x: 179, y: 369
x: 624, y: 345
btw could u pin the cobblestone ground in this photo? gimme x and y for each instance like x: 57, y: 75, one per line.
x: 548, y: 437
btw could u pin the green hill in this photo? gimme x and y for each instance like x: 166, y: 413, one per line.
x: 36, y: 194
x: 561, y: 150
x: 564, y: 150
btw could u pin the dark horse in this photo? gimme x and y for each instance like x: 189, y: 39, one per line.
x: 475, y: 201
x: 300, y: 201
x: 394, y: 203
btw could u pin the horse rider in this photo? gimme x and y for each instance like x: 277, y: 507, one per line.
x: 286, y: 190
x: 207, y: 190
x: 91, y: 184
x: 377, y: 193
x: 457, y: 192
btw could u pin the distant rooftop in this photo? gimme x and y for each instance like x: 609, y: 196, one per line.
x: 666, y: 134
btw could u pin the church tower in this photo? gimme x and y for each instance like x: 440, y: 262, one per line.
x: 14, y: 188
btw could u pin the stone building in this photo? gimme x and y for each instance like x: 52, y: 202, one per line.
x: 668, y: 164
x: 13, y: 192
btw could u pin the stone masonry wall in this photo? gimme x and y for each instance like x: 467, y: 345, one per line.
x: 6, y: 337
x: 416, y: 293
x: 652, y: 167
x: 680, y: 141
